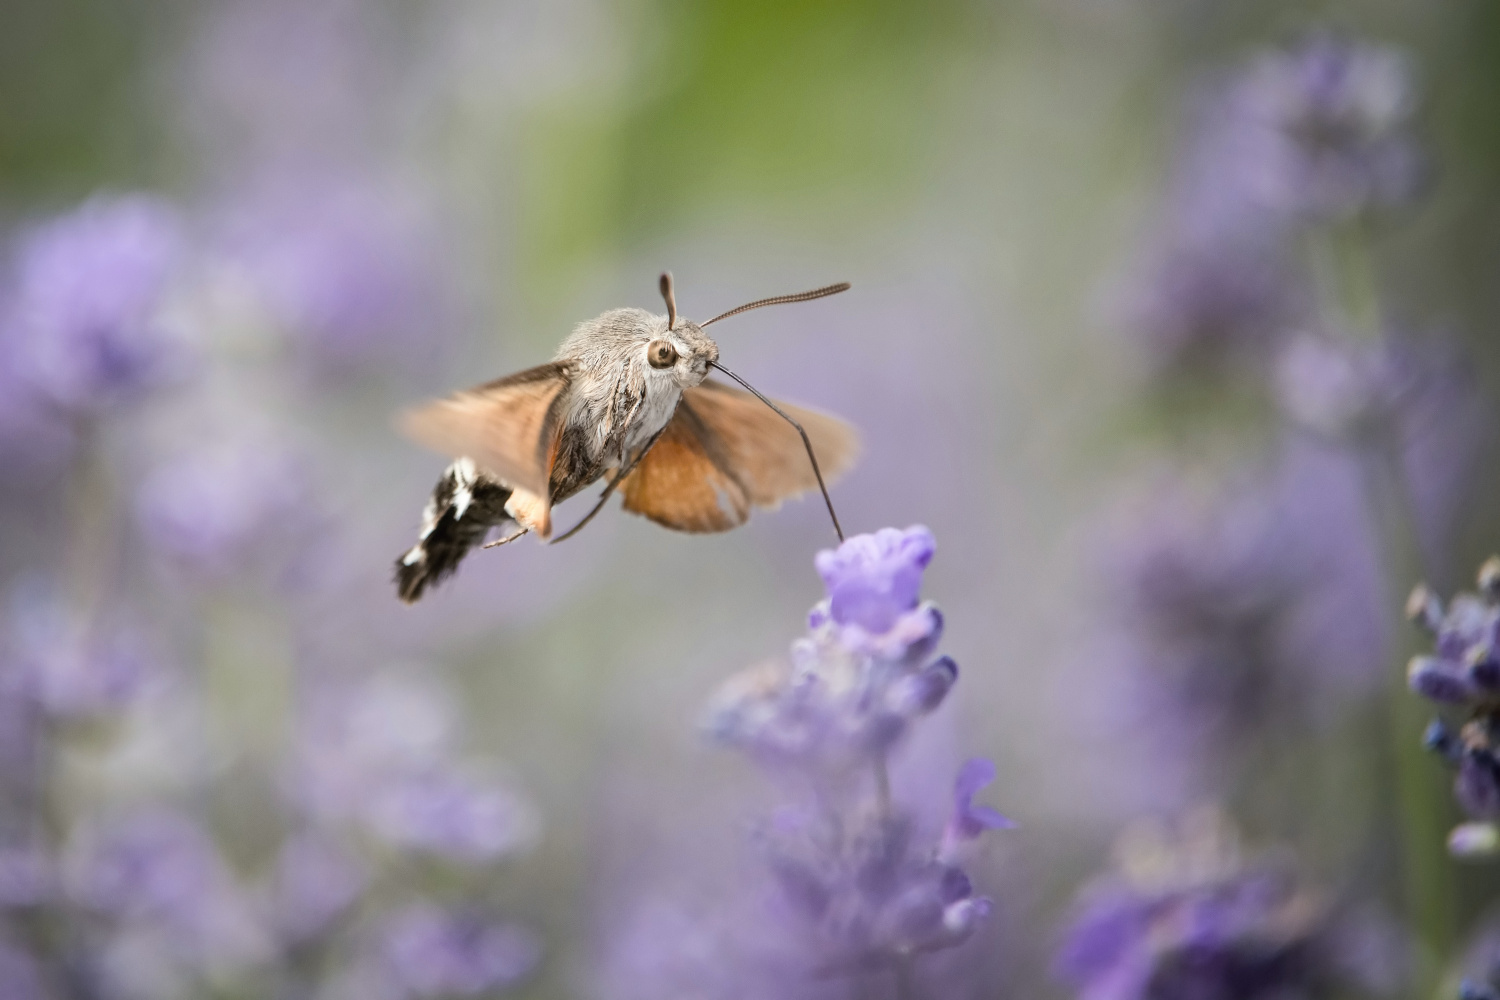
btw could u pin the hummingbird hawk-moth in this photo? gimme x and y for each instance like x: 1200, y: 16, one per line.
x: 626, y: 399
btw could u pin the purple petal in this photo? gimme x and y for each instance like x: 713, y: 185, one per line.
x: 974, y: 775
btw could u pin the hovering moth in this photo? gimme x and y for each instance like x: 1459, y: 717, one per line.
x: 626, y: 399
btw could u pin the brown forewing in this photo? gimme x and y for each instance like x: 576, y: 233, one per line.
x: 683, y: 484
x: 725, y: 450
x: 509, y: 426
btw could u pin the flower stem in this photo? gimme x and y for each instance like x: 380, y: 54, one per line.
x: 1350, y: 292
x: 903, y: 972
x: 1421, y: 797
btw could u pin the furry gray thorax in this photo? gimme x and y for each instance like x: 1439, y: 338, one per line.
x: 614, y: 392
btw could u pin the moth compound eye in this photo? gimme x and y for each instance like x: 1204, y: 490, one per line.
x: 661, y: 354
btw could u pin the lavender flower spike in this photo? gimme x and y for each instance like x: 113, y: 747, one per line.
x: 89, y: 286
x: 1463, y: 671
x: 859, y: 887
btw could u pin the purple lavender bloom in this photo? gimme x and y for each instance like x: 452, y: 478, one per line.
x: 70, y: 668
x: 223, y: 507
x: 873, y: 580
x: 851, y: 692
x: 379, y: 759
x: 449, y: 814
x: 860, y: 886
x: 1187, y: 918
x: 861, y: 677
x: 1334, y: 120
x: 1463, y: 671
x: 347, y: 271
x: 156, y: 866
x: 1481, y: 964
x: 434, y: 952
x: 83, y: 328
x: 315, y: 882
x: 870, y: 899
x: 1202, y: 302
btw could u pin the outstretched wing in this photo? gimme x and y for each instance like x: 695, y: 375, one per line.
x: 725, y: 451
x: 509, y: 426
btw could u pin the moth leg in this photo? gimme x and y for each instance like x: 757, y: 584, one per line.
x: 609, y: 490
x: 465, y: 504
x: 504, y: 541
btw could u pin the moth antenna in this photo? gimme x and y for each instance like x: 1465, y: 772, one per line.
x: 806, y: 442
x: 775, y: 300
x: 671, y: 297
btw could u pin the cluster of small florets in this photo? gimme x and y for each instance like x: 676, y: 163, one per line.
x: 1463, y: 673
x: 865, y: 884
x: 863, y: 673
x: 1187, y: 916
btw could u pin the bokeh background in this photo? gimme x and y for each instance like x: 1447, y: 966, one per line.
x: 1173, y: 320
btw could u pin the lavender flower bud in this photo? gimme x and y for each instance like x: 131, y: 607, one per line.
x: 1477, y: 786
x: 1489, y: 578
x: 1424, y: 609
x: 1441, y: 741
x: 963, y: 917
x: 923, y: 691
x: 1438, y: 680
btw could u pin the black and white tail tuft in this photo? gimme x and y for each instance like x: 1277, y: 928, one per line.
x: 464, y: 506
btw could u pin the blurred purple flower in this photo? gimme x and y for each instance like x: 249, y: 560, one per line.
x: 1334, y: 385
x: 20, y: 974
x: 71, y: 668
x: 158, y: 866
x: 1200, y: 302
x: 83, y: 328
x: 1187, y: 918
x: 1481, y: 963
x: 349, y: 272
x: 224, y: 507
x: 449, y: 814
x: 433, y: 952
x: 315, y: 881
x: 26, y: 877
x: 1331, y: 123
x: 380, y: 757
x: 1261, y: 600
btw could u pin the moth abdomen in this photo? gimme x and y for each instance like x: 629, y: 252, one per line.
x: 465, y: 504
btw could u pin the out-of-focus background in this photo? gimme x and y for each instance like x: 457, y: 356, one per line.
x: 1173, y: 320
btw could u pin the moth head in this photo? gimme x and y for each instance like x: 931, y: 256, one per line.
x: 678, y: 346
